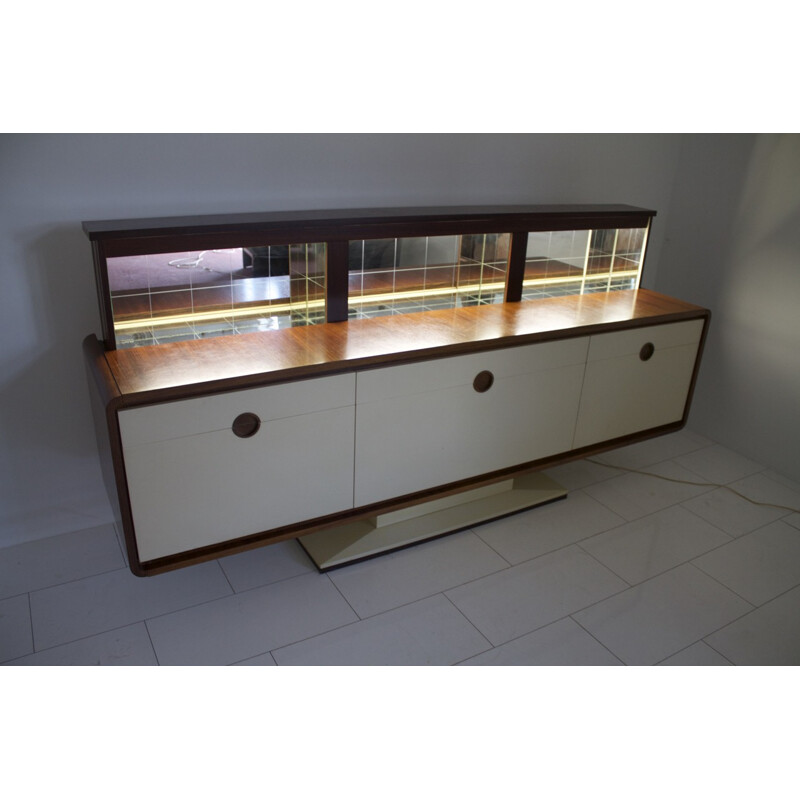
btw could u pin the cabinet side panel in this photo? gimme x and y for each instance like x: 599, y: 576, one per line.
x: 104, y: 450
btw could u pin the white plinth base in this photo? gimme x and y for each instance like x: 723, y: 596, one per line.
x: 354, y: 541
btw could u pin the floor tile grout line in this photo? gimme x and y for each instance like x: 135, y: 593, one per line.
x: 341, y: 627
x: 18, y: 594
x: 222, y: 597
x: 358, y: 619
x: 233, y: 593
x: 755, y: 606
x: 690, y: 560
x: 711, y: 646
x: 708, y: 522
x: 152, y: 643
x: 440, y: 591
x: 313, y: 571
x: 475, y: 532
x: 537, y: 629
x: 342, y: 595
x: 594, y: 558
x: 30, y: 623
x: 725, y: 585
x: 701, y: 640
x: 273, y: 650
x: 476, y: 628
x: 432, y: 594
x: 634, y: 587
x: 152, y: 617
x: 257, y: 655
x: 119, y: 536
x: 602, y: 644
x: 225, y: 574
x: 587, y: 539
x: 569, y: 615
x: 733, y: 539
x: 78, y: 580
x: 79, y: 639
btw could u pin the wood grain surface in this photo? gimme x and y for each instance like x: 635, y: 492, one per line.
x: 180, y: 369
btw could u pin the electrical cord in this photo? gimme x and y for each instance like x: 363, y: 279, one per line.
x: 694, y: 483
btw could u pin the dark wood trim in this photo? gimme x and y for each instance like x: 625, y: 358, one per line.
x: 372, y: 222
x: 516, y: 266
x: 646, y: 248
x: 696, y: 372
x: 103, y: 295
x: 336, y: 281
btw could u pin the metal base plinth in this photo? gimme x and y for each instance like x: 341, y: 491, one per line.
x: 356, y: 541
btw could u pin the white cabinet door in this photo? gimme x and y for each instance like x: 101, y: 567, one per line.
x: 624, y: 394
x: 193, y: 483
x: 423, y: 425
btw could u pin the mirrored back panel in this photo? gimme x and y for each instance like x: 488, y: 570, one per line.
x: 166, y: 297
x: 560, y: 263
x: 426, y: 273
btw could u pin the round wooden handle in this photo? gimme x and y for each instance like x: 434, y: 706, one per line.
x: 246, y: 425
x: 483, y: 381
x: 646, y: 353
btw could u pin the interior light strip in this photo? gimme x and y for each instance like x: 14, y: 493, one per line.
x: 599, y: 276
x: 217, y: 314
x: 416, y: 294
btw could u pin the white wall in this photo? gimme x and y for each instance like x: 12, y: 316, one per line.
x: 49, y: 479
x: 734, y: 246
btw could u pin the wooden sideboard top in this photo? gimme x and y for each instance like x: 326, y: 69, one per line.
x: 181, y: 369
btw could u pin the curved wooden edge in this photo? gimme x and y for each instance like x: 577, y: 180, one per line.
x: 99, y: 370
x: 105, y: 399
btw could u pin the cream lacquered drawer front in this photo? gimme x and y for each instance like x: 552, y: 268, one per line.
x: 193, y: 482
x: 424, y: 425
x: 636, y: 380
x: 217, y: 411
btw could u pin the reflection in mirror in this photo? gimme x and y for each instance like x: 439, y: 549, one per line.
x: 559, y: 263
x: 426, y: 273
x: 169, y: 297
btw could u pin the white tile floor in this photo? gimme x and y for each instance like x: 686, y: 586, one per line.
x: 629, y: 569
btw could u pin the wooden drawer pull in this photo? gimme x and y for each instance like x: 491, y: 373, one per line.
x: 646, y: 353
x: 483, y: 381
x: 246, y: 425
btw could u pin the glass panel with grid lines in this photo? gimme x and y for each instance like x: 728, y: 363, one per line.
x: 426, y: 273
x: 168, y: 297
x: 560, y: 263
